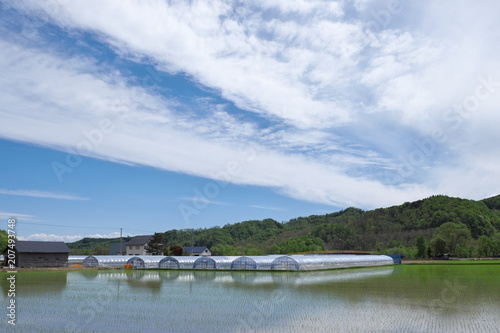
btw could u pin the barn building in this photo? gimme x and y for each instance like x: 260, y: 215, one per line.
x: 40, y: 254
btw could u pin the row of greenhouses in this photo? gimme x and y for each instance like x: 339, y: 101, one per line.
x: 269, y: 262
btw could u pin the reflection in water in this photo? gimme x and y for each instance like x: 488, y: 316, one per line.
x: 253, y: 278
x: 134, y: 278
x: 169, y: 275
x: 144, y: 279
x: 378, y: 299
x: 35, y: 282
x: 153, y: 280
x: 295, y: 279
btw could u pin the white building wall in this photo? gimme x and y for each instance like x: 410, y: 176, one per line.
x: 206, y: 252
x: 136, y: 250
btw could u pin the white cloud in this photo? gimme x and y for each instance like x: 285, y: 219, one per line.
x: 18, y: 216
x: 268, y: 207
x: 327, y: 85
x: 68, y: 238
x: 41, y: 194
x: 303, y: 7
x: 140, y: 136
x: 202, y: 200
x: 230, y: 54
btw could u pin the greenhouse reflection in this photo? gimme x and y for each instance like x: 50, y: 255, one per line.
x: 238, y: 279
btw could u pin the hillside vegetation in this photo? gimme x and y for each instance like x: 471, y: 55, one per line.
x: 429, y: 227
x: 97, y: 246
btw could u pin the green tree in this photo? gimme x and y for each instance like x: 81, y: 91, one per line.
x: 3, y: 239
x: 100, y: 250
x: 438, y: 246
x: 484, y: 246
x: 421, y: 246
x: 495, y: 244
x: 336, y: 236
x: 224, y: 250
x: 155, y: 244
x: 453, y: 234
x: 305, y: 243
x: 253, y: 250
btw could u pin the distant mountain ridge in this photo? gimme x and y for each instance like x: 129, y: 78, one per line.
x: 349, y: 229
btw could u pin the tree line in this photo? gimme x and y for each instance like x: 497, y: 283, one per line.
x: 429, y: 227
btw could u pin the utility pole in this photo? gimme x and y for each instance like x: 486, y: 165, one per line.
x: 121, y: 252
x: 192, y: 236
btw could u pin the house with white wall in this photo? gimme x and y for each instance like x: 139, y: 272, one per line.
x: 197, y: 251
x: 137, y: 246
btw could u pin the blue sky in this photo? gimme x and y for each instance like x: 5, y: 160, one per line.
x: 150, y: 116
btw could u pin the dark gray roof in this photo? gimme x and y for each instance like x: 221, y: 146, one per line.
x: 194, y: 249
x: 114, y: 248
x: 139, y: 240
x: 41, y: 247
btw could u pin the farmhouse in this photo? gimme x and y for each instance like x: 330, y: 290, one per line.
x: 39, y: 254
x: 137, y: 246
x: 197, y: 251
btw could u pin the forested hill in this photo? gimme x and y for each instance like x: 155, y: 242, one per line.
x: 393, y: 228
x: 432, y: 226
x: 94, y: 245
x: 385, y: 229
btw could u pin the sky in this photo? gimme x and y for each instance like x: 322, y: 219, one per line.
x: 157, y: 115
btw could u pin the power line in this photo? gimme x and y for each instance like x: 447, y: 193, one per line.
x: 140, y: 230
x: 83, y: 227
x: 65, y: 226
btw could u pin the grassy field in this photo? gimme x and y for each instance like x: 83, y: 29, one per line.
x: 453, y: 262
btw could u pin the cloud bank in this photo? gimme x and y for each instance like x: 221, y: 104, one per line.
x: 348, y: 104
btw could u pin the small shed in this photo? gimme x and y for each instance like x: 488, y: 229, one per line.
x: 197, y: 251
x: 39, y: 254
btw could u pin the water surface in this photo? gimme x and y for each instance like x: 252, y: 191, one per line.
x: 379, y: 299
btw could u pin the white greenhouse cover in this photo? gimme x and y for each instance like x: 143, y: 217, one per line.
x: 106, y: 261
x: 145, y: 261
x: 75, y: 259
x: 214, y: 262
x: 270, y: 262
x: 254, y: 262
x: 178, y: 262
x: 319, y: 262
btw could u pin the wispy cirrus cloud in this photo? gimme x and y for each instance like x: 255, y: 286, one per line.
x: 268, y: 207
x: 202, y: 200
x: 19, y: 216
x: 333, y: 104
x: 146, y: 125
x: 41, y: 194
x: 68, y: 238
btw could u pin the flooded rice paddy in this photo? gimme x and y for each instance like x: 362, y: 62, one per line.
x: 420, y: 298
